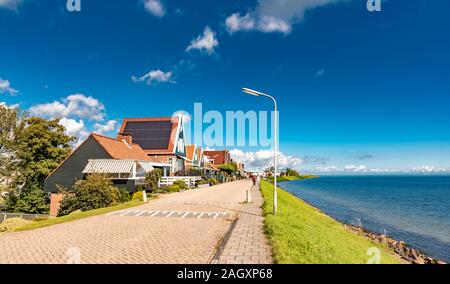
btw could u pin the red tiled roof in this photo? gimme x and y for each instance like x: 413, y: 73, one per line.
x: 190, y: 150
x: 173, y: 134
x: 199, y: 153
x: 118, y: 149
x: 219, y: 157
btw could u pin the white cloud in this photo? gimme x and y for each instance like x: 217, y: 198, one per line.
x: 74, y: 106
x: 205, y: 43
x: 76, y: 129
x: 154, y: 76
x: 355, y: 169
x: 72, y: 126
x: 250, y: 21
x: 10, y: 4
x: 262, y: 159
x: 235, y: 23
x: 320, y: 72
x: 5, y: 86
x: 352, y: 169
x: 424, y: 169
x: 269, y: 24
x: 430, y: 169
x: 274, y: 15
x: 104, y: 128
x: 14, y: 106
x: 154, y: 7
x: 77, y: 113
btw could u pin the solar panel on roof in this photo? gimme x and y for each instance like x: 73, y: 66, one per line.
x: 150, y: 134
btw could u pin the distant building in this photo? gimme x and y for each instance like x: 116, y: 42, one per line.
x: 219, y: 157
x: 194, y: 158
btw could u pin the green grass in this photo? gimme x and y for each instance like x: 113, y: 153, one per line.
x: 288, y: 178
x: 301, y: 234
x: 76, y: 216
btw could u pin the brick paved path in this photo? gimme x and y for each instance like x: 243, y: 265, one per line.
x: 247, y: 242
x: 134, y: 239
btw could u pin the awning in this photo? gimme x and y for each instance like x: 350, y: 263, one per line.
x: 146, y: 166
x: 109, y: 166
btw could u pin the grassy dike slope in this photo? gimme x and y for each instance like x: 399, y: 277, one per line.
x: 300, y: 233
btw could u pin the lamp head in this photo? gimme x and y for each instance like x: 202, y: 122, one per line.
x: 251, y: 92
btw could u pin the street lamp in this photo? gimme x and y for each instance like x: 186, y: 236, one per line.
x: 275, y: 143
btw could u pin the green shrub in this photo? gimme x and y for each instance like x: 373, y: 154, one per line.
x: 96, y: 191
x: 200, y: 182
x: 124, y: 195
x: 173, y: 188
x: 152, y: 178
x: 31, y: 200
x: 181, y: 184
x: 162, y: 189
x: 10, y: 224
x: 69, y: 204
x: 138, y: 196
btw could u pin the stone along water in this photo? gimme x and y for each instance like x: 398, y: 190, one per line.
x: 415, y: 209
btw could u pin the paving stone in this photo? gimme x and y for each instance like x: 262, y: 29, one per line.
x: 248, y: 235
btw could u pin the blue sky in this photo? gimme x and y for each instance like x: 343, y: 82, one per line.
x: 358, y: 91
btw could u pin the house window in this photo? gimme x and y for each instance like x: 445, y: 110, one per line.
x: 120, y: 176
x: 170, y: 161
x: 180, y: 146
x: 114, y: 176
x: 125, y: 175
x: 180, y: 165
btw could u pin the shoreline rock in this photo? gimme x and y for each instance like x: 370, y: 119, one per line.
x: 405, y: 252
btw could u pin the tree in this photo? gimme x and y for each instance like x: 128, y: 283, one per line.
x: 41, y: 146
x: 30, y: 200
x: 291, y: 172
x: 37, y: 148
x: 228, y: 168
x: 11, y: 123
x: 152, y: 178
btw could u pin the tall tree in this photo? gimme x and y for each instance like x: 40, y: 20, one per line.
x: 41, y: 146
x: 11, y: 122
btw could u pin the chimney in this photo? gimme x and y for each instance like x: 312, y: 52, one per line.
x: 127, y: 138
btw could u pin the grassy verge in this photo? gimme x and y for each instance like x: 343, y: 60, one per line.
x: 300, y: 233
x: 288, y: 178
x: 76, y: 216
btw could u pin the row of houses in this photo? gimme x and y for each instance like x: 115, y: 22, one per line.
x: 142, y: 145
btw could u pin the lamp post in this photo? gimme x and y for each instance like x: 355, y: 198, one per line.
x: 275, y: 143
